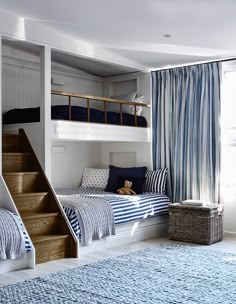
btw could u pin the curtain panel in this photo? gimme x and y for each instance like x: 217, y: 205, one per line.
x: 186, y: 130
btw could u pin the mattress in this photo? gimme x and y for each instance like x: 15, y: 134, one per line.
x: 61, y: 112
x: 125, y: 208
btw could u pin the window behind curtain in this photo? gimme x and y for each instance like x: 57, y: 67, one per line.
x: 228, y: 161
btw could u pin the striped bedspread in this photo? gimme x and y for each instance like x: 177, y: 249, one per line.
x: 14, y: 242
x: 125, y: 208
x: 27, y: 241
x: 95, y: 217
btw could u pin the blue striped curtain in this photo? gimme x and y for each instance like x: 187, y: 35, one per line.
x: 186, y: 130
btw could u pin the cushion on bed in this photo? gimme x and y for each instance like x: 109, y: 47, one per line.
x: 156, y: 181
x: 113, y: 107
x: 22, y: 115
x: 115, y: 172
x: 137, y: 183
x: 95, y: 178
x: 139, y: 109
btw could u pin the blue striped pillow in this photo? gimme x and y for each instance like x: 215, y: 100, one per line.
x: 156, y: 181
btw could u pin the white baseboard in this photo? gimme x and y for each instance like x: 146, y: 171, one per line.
x: 230, y: 234
x: 11, y: 265
x: 130, y: 233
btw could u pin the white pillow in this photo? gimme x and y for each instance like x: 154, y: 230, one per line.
x: 95, y: 178
x: 114, y: 107
x: 139, y: 109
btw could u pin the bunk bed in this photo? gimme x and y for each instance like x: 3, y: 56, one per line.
x: 132, y: 217
x: 74, y: 122
x: 130, y: 213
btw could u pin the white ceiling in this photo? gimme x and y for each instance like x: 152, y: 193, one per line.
x: 134, y: 29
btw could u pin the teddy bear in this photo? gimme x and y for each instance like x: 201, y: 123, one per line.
x: 126, y: 189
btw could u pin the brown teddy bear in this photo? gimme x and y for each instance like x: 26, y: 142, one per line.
x: 126, y: 189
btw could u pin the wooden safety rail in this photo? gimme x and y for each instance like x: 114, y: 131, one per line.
x: 104, y: 100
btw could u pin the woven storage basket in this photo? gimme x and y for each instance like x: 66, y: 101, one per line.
x: 202, y: 225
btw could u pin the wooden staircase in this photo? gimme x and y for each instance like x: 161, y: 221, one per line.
x: 35, y: 200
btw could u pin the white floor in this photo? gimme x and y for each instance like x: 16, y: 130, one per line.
x: 227, y: 245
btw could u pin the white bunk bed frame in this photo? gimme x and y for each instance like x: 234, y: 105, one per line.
x: 131, y: 232
x: 41, y: 134
x: 67, y: 130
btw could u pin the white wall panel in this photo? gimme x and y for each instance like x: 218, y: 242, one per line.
x: 141, y: 152
x: 20, y: 87
x: 67, y: 167
x: 76, y: 84
x: 21, y: 81
x: 140, y: 82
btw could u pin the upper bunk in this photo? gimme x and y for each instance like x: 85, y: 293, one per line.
x: 78, y: 113
x: 79, y: 123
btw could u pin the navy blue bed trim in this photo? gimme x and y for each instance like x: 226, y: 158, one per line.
x: 61, y: 112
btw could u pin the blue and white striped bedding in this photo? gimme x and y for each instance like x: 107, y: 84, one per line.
x: 125, y: 208
x: 28, y: 245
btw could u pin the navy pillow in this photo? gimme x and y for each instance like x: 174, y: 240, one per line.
x: 114, y: 172
x: 137, y: 183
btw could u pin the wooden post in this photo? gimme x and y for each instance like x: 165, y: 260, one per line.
x: 1, y: 104
x: 135, y: 116
x: 69, y: 107
x: 121, y: 120
x: 105, y: 112
x: 45, y: 109
x: 88, y: 110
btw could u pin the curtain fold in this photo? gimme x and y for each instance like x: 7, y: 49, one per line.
x: 186, y: 130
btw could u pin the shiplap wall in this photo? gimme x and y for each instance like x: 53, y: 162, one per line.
x: 21, y: 81
x: 20, y: 86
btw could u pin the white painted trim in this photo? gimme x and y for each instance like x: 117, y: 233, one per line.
x: 83, y: 131
x: 230, y: 234
x: 45, y: 108
x: 12, y: 265
x: 130, y: 233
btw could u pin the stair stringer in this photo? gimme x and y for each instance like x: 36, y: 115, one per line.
x: 76, y: 242
x: 29, y: 261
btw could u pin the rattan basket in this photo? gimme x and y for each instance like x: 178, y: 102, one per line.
x: 202, y: 225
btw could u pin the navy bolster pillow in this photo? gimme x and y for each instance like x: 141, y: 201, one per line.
x: 126, y: 173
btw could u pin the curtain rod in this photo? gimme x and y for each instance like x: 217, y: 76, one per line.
x: 198, y: 63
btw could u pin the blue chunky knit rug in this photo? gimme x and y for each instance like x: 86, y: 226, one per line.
x: 165, y: 274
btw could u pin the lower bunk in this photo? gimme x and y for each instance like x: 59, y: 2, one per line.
x: 103, y: 220
x: 16, y: 250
